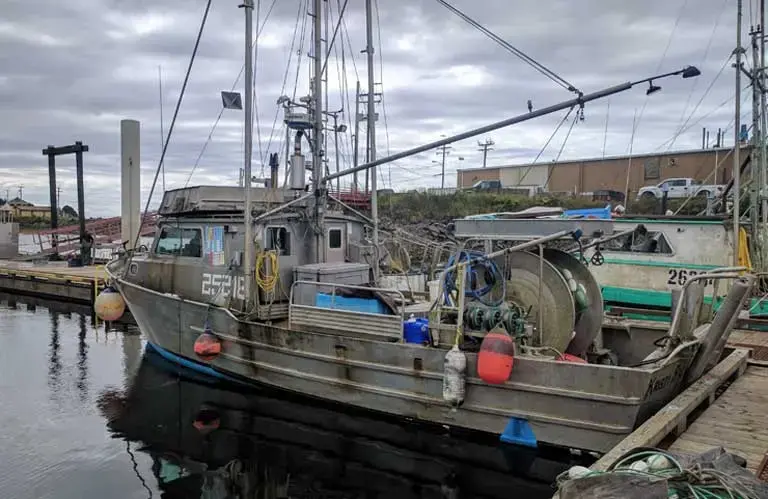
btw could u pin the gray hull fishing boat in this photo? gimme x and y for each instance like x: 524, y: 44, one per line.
x: 277, y: 286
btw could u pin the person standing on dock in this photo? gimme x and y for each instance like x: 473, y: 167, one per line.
x: 86, y: 243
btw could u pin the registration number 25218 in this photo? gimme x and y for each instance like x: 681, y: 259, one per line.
x: 678, y: 277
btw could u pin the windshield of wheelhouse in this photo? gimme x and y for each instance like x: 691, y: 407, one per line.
x: 179, y: 241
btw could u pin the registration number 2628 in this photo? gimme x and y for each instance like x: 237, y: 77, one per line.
x: 678, y: 277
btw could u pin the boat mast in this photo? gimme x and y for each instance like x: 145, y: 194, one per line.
x: 763, y: 127
x: 247, y: 6
x: 317, y: 153
x: 757, y: 171
x: 371, y: 126
x: 736, y: 147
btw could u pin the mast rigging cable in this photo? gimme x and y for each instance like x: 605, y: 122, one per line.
x: 512, y: 49
x: 173, y: 120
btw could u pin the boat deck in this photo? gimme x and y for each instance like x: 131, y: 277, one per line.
x: 52, y: 280
x: 736, y: 421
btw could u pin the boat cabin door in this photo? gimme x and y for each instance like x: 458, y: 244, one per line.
x: 336, y: 242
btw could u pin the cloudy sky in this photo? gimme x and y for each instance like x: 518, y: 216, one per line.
x: 72, y: 70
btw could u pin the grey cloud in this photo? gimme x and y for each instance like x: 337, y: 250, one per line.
x: 71, y: 70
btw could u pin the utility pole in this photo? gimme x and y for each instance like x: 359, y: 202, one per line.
x: 357, y: 136
x: 21, y: 192
x: 485, y: 146
x: 372, y: 134
x: 736, y: 146
x: 443, y: 150
x: 58, y: 197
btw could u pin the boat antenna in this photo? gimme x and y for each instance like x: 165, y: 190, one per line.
x: 511, y: 48
x: 317, y: 152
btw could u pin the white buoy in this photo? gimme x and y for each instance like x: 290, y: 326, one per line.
x: 659, y: 462
x: 454, y: 370
x: 109, y: 305
x: 640, y: 466
x: 578, y: 472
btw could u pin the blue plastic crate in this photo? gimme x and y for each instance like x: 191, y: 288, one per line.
x: 366, y: 305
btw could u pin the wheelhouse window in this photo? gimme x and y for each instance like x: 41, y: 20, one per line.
x: 278, y: 239
x: 334, y: 238
x: 641, y: 241
x: 180, y: 241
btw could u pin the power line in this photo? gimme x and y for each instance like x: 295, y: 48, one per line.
x: 703, y: 60
x: 381, y: 81
x: 661, y: 61
x: 696, y: 107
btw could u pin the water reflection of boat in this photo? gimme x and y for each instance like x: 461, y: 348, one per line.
x: 224, y: 442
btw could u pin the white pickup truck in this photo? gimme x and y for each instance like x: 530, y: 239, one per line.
x: 679, y: 188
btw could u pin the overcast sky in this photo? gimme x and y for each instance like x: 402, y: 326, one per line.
x: 72, y: 70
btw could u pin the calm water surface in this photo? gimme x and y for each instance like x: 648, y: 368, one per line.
x: 90, y: 413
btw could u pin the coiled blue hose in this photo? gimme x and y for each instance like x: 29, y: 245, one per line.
x: 493, y: 276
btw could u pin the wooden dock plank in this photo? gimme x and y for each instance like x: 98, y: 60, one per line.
x: 735, y: 421
x: 52, y: 280
x: 653, y: 431
x: 756, y: 340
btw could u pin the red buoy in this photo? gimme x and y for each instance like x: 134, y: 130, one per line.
x: 206, y: 421
x: 566, y: 357
x: 207, y: 346
x: 497, y: 354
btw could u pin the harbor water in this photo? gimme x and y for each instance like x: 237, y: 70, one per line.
x: 91, y: 412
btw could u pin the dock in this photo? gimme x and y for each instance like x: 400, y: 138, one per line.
x: 52, y: 280
x: 724, y: 408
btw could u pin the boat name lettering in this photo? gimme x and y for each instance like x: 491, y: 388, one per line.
x: 678, y: 277
x: 664, y: 382
x: 213, y: 284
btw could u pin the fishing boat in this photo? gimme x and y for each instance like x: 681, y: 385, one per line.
x: 642, y: 271
x: 278, y: 286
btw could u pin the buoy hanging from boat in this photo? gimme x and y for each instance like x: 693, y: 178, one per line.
x: 567, y: 357
x: 496, y: 357
x: 109, y: 305
x: 454, y: 370
x: 207, y: 345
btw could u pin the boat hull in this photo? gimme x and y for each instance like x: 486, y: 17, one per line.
x: 572, y: 405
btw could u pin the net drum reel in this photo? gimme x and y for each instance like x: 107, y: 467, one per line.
x: 565, y: 291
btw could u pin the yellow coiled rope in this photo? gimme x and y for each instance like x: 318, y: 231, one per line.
x: 744, y: 259
x: 267, y: 280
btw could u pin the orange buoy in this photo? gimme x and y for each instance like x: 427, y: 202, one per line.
x: 109, y: 305
x: 207, y: 345
x: 566, y: 357
x: 497, y: 354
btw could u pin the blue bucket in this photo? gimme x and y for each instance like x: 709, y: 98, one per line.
x: 416, y: 330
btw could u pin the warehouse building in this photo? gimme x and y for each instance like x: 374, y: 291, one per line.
x: 610, y: 173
